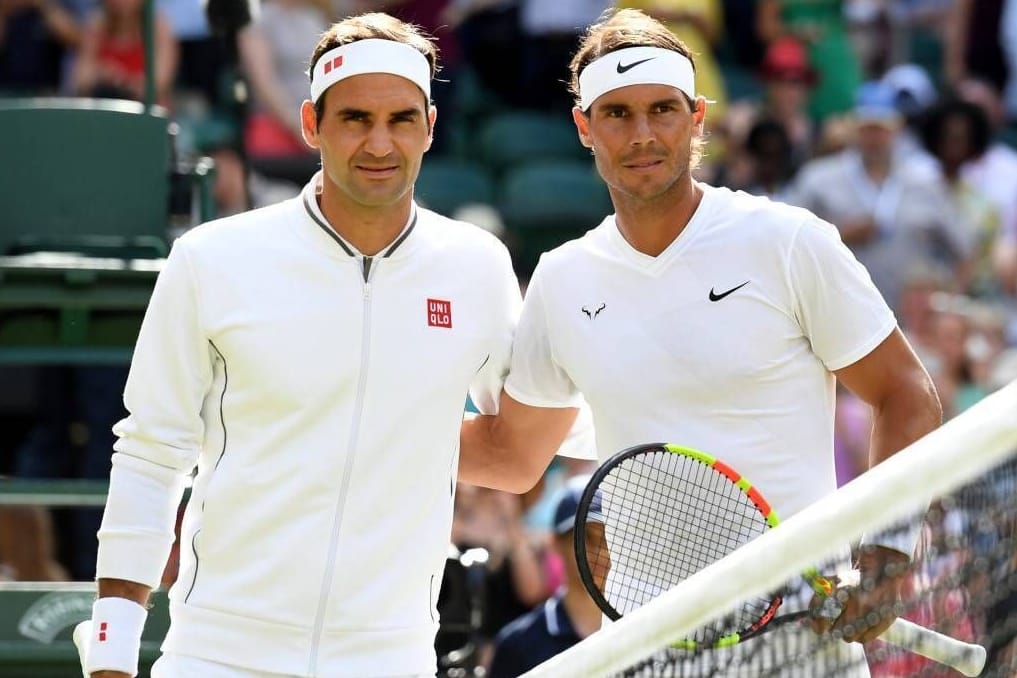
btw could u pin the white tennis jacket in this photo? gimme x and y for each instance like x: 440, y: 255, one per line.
x: 319, y: 393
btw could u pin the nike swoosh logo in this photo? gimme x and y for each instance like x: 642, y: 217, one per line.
x: 717, y: 297
x: 629, y: 67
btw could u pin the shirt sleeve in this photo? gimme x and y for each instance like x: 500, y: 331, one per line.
x: 839, y: 308
x: 536, y: 378
x: 485, y: 391
x: 158, y: 443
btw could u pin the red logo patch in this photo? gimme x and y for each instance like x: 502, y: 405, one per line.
x: 439, y: 313
x: 102, y: 632
x: 335, y: 63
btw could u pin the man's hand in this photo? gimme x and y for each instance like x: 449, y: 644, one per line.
x: 862, y: 612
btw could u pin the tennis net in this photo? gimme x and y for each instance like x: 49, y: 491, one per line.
x: 958, y: 485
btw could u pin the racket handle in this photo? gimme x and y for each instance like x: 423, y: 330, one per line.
x: 967, y: 658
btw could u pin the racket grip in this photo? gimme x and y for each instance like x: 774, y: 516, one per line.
x: 967, y: 658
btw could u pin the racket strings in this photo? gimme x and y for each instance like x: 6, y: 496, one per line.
x: 666, y: 517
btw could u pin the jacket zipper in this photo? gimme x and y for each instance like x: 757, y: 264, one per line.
x: 358, y: 408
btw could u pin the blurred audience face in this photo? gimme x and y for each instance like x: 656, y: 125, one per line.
x: 955, y: 146
x: 950, y: 335
x: 787, y: 97
x: 874, y: 140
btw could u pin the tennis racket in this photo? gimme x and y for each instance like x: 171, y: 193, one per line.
x: 670, y: 511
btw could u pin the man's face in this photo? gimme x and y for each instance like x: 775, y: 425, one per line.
x: 372, y: 137
x: 642, y: 138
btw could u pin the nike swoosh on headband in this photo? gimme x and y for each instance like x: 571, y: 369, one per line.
x: 629, y: 67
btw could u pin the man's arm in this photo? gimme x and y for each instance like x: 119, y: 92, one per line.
x: 905, y: 407
x: 118, y: 588
x: 904, y: 402
x: 510, y: 451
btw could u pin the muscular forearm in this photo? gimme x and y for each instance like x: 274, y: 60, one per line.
x: 487, y: 458
x: 510, y: 451
x: 900, y: 421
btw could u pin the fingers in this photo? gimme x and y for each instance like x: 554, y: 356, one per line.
x: 865, y: 614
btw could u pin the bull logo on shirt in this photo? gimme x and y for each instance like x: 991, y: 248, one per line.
x: 592, y: 315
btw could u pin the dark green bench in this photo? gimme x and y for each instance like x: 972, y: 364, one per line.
x: 85, y: 221
x: 60, y: 308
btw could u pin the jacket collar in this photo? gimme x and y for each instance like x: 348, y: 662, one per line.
x: 309, y: 201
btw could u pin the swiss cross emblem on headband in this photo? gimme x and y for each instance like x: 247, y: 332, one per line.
x: 439, y: 313
x: 334, y: 63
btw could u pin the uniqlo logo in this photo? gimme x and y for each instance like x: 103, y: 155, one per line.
x: 334, y: 63
x: 439, y: 313
x: 102, y: 632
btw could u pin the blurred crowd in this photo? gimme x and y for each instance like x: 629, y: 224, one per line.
x: 895, y: 120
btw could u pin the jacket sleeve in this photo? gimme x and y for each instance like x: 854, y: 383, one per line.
x: 485, y: 391
x: 159, y: 441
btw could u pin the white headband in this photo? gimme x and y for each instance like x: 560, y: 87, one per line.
x: 635, y: 66
x: 371, y: 56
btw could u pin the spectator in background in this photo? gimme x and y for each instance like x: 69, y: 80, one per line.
x: 203, y: 57
x: 28, y: 550
x: 770, y: 158
x: 820, y: 24
x: 956, y: 133
x: 892, y: 216
x: 551, y: 32
x: 112, y: 59
x: 788, y: 78
x: 71, y: 438
x: 35, y: 38
x: 518, y: 569
x: 567, y: 617
x: 955, y: 377
x: 995, y: 173
x: 972, y: 46
x: 489, y: 37
x: 274, y: 63
x: 916, y: 309
x: 917, y: 29
x: 742, y: 30
x: 1008, y: 39
x: 913, y: 95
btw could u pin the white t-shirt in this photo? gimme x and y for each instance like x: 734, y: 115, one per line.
x: 725, y: 342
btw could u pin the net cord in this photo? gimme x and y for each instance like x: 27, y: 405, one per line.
x: 947, y: 458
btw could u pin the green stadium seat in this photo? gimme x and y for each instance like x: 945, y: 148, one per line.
x: 444, y: 185
x: 84, y: 224
x: 510, y: 138
x: 86, y: 173
x: 543, y: 204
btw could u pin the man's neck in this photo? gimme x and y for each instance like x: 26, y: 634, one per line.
x: 369, y: 229
x: 651, y: 226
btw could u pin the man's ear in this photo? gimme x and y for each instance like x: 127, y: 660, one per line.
x: 699, y: 114
x: 582, y: 127
x: 432, y: 117
x: 309, y: 123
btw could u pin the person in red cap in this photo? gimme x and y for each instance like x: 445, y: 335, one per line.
x: 789, y: 78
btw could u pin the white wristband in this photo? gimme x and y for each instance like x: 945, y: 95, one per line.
x: 115, y: 642
x: 901, y: 538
